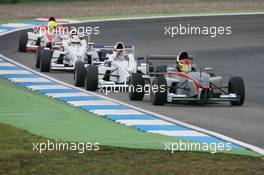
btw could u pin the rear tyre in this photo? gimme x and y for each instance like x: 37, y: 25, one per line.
x: 49, y: 45
x: 79, y: 73
x: 38, y: 42
x: 37, y: 56
x: 91, y: 78
x: 23, y: 42
x: 158, y: 91
x: 236, y: 86
x: 45, y: 60
x: 136, y: 82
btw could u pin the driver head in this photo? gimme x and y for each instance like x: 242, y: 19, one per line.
x: 73, y: 33
x: 183, y: 62
x: 185, y: 65
x: 119, y: 46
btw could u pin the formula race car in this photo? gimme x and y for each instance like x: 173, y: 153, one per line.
x: 42, y: 35
x: 65, y: 54
x: 118, y: 64
x: 184, y: 82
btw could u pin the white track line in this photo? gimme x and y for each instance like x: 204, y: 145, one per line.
x: 30, y: 80
x: 143, y: 122
x: 16, y: 25
x: 7, y: 64
x: 3, y: 72
x: 42, y: 87
x: 116, y: 112
x: 92, y: 103
x: 70, y: 94
x: 2, y: 30
x: 179, y: 133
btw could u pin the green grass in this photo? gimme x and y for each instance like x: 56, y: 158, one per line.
x: 23, y: 1
x: 54, y: 119
x: 17, y: 157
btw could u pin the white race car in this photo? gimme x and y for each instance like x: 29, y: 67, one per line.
x: 117, y: 67
x: 68, y: 53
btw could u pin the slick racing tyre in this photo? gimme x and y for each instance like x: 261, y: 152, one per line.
x: 236, y: 86
x: 37, y: 56
x: 91, y: 78
x: 158, y: 91
x: 45, y: 60
x: 23, y: 39
x: 136, y: 87
x: 79, y: 73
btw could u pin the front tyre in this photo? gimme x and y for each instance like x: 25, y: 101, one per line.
x: 79, y: 73
x: 38, y: 55
x: 23, y: 39
x: 136, y: 82
x: 45, y: 60
x: 236, y: 86
x: 91, y: 78
x: 158, y: 91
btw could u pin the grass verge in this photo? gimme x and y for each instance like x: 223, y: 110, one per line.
x: 54, y: 119
x: 17, y: 157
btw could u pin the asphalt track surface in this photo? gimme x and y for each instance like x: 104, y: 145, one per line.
x: 238, y: 54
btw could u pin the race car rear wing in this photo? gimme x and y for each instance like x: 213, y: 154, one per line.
x: 160, y: 57
x: 60, y: 21
x: 149, y: 58
x: 128, y: 48
x: 108, y: 47
x: 160, y: 67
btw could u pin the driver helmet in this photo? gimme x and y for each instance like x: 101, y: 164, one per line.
x: 52, y: 18
x: 185, y: 65
x: 73, y: 33
x: 119, y: 51
x: 52, y: 23
x: 74, y: 38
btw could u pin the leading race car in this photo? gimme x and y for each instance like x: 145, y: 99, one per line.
x: 118, y: 64
x: 184, y: 82
x: 43, y: 35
